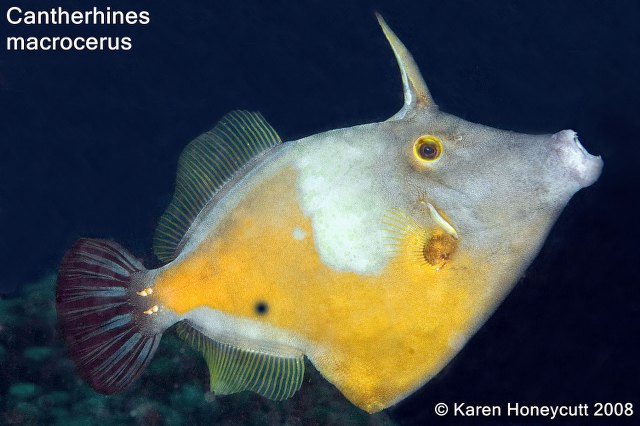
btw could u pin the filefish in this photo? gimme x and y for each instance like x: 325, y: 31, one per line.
x: 376, y: 251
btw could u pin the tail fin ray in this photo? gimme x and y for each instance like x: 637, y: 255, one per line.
x: 108, y: 336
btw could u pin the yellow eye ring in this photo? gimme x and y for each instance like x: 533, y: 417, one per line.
x: 427, y: 149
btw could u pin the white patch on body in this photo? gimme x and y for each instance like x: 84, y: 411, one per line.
x: 245, y: 333
x: 299, y: 234
x: 336, y: 190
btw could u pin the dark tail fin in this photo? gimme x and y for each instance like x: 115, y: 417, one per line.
x: 102, y: 314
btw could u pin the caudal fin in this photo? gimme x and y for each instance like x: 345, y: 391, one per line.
x: 101, y: 302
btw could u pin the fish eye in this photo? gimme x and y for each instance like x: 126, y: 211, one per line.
x: 427, y: 148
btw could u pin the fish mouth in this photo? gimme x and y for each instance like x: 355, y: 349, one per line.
x: 583, y: 167
x: 576, y: 140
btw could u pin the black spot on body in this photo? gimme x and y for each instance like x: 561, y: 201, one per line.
x: 262, y: 307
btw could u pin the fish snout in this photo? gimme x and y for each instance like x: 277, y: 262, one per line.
x: 583, y: 167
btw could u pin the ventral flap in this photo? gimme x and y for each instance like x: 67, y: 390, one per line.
x: 235, y: 369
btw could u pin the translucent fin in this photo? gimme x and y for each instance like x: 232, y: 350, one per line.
x: 109, y: 339
x: 234, y: 369
x: 205, y: 165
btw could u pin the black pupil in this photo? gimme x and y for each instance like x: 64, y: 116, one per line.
x: 427, y: 151
x: 262, y: 308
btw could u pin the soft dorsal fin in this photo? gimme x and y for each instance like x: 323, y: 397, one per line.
x: 416, y: 93
x: 205, y: 165
x: 234, y: 369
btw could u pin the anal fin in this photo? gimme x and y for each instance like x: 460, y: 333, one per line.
x: 234, y: 369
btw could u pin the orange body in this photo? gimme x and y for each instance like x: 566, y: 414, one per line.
x: 375, y: 337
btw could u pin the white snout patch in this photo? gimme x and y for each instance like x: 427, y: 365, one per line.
x: 585, y: 167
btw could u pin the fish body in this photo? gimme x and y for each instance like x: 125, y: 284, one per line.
x: 376, y: 251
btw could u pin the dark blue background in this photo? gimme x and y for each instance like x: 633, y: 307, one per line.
x: 89, y: 143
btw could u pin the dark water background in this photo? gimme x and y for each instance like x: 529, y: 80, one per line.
x: 89, y: 143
